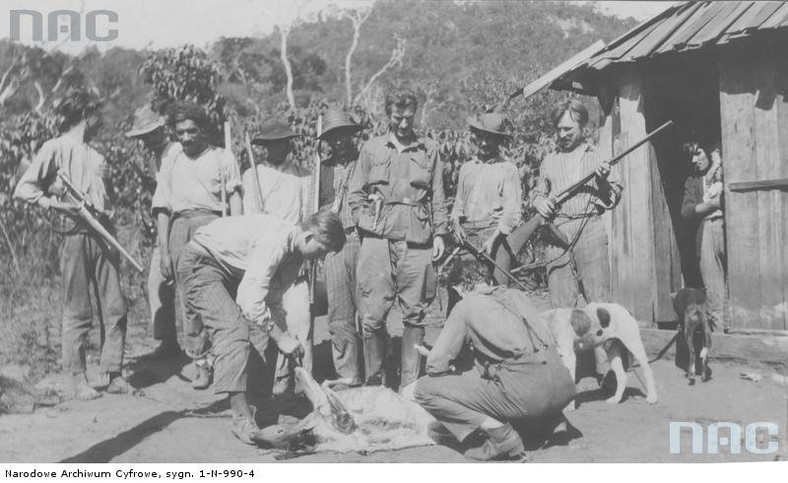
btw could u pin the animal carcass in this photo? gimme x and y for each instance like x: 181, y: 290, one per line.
x: 363, y: 420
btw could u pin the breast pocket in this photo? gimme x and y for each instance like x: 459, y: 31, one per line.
x: 420, y: 171
x: 379, y: 171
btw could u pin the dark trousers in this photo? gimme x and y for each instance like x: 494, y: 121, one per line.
x: 532, y: 387
x: 342, y: 292
x: 85, y: 262
x: 161, y: 299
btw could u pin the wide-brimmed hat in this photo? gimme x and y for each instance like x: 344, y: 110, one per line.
x: 492, y: 123
x: 335, y: 119
x: 145, y: 121
x: 273, y: 131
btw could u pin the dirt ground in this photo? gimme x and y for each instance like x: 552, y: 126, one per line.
x: 167, y: 421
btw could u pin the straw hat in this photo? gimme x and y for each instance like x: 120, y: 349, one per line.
x: 145, y: 121
x: 492, y: 123
x: 273, y: 131
x: 335, y: 119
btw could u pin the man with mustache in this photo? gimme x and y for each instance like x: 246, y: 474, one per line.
x: 582, y: 270
x: 188, y: 196
x: 488, y: 203
x: 397, y: 199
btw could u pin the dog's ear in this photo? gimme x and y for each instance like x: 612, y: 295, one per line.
x: 604, y: 317
x: 580, y: 321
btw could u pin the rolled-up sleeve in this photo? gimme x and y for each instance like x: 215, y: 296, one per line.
x: 543, y: 185
x: 440, y: 212
x: 256, y: 282
x: 450, y: 341
x: 512, y: 199
x: 41, y: 173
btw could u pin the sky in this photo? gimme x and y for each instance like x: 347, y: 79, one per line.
x: 169, y: 23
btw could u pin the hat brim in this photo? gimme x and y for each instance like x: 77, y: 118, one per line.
x: 260, y: 140
x: 144, y: 130
x: 474, y: 126
x: 346, y: 128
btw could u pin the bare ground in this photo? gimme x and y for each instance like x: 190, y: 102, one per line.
x: 167, y: 421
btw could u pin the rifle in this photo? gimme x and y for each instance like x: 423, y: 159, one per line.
x: 538, y: 221
x: 86, y: 212
x: 484, y: 257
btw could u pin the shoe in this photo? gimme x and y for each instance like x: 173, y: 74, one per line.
x: 118, y: 385
x: 502, y: 443
x: 438, y: 433
x: 203, y: 378
x: 168, y: 349
x: 245, y: 429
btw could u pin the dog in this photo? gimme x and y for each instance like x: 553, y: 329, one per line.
x: 605, y: 328
x: 696, y: 323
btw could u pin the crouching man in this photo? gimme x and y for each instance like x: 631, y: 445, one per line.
x: 518, y: 375
x: 235, y: 271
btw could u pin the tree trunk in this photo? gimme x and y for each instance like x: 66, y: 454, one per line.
x: 284, y: 31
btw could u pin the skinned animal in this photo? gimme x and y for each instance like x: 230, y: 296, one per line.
x: 362, y: 419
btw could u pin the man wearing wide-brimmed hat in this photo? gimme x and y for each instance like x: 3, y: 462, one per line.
x: 282, y: 188
x: 340, y: 267
x: 149, y: 128
x: 489, y: 193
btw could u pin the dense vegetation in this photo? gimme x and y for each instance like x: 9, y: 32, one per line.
x: 461, y: 57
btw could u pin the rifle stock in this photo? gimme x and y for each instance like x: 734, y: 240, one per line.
x: 88, y: 217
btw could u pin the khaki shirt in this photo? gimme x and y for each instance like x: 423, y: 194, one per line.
x: 186, y: 183
x: 260, y: 249
x: 489, y: 191
x: 410, y: 183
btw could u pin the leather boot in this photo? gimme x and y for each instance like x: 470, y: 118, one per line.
x: 502, y: 443
x: 410, y: 359
x: 374, y: 352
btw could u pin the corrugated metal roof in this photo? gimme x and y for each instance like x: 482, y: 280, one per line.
x: 688, y: 26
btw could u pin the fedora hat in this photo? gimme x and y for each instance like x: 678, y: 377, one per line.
x: 145, y: 121
x: 335, y: 119
x: 273, y: 131
x: 492, y: 123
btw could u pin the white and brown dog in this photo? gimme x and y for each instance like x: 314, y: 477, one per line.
x: 604, y: 328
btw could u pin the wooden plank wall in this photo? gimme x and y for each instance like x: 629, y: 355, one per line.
x: 632, y: 253
x: 754, y: 113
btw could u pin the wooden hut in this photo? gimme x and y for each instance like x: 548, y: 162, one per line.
x: 718, y: 66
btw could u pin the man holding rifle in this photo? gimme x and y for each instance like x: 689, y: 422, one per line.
x: 578, y: 249
x: 85, y: 257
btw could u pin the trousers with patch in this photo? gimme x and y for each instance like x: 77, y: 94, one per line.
x: 389, y: 271
x: 532, y: 387
x: 342, y: 292
x: 161, y: 299
x: 583, y: 270
x: 86, y: 262
x: 713, y: 270
x: 239, y: 345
